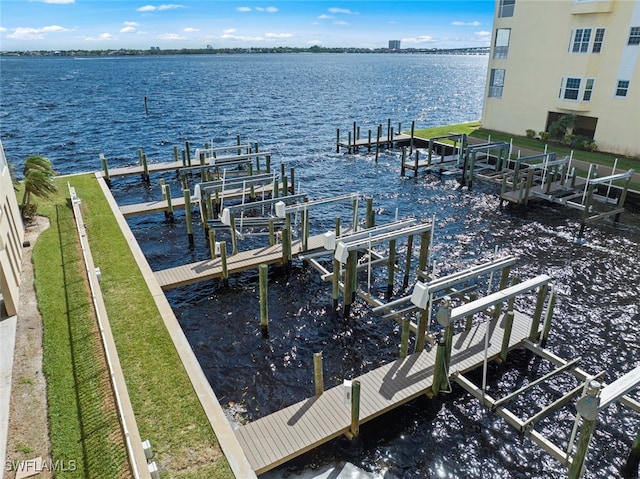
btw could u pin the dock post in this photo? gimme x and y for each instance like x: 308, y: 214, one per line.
x: 622, y: 199
x: 223, y: 260
x: 187, y: 149
x: 349, y: 144
x: 430, y: 152
x: 469, y: 320
x: 145, y: 166
x: 105, y: 168
x: 146, y: 106
x: 218, y: 204
x: 370, y: 214
x: 503, y: 284
x: 508, y: 327
x: 413, y: 126
x: 369, y: 142
x: 169, y: 204
x: 350, y: 281
x: 535, y: 320
x: 286, y: 248
x: 317, y: 373
x: 422, y: 330
x: 337, y: 226
x: 407, y: 263
x: 268, y: 162
x: 212, y: 243
x: 587, y: 407
x: 355, y: 409
x: 292, y: 177
x: 404, y: 338
x: 472, y: 170
x: 425, y: 239
x: 187, y: 208
x: 176, y: 157
x: 335, y: 293
x: 392, y: 267
x: 378, y: 142
x: 274, y: 189
x: 337, y: 140
x: 354, y: 137
x: 234, y: 238
x: 355, y: 216
x: 439, y: 368
x: 263, y: 271
x: 272, y: 234
x: 184, y: 161
x: 528, y: 187
x: 402, y: 160
x: 547, y: 318
x: 416, y: 161
x: 587, y: 206
x: 389, y: 134
x: 633, y: 460
x: 285, y: 186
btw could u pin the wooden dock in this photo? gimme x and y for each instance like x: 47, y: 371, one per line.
x: 243, y: 261
x: 288, y: 433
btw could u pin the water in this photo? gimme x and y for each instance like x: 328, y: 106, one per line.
x: 73, y: 110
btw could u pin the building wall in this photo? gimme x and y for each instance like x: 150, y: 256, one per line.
x: 540, y: 55
x: 11, y: 238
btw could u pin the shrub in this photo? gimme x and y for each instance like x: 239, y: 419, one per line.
x: 531, y: 133
x: 562, y: 126
x: 544, y: 135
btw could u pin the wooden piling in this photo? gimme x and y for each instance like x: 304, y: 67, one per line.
x: 145, y: 166
x: 439, y: 368
x: 422, y: 329
x: 378, y: 142
x: 370, y: 219
x: 176, y: 156
x: 349, y: 144
x: 413, y: 126
x: 337, y: 140
x: 404, y: 338
x: 354, y: 137
x: 105, y: 169
x: 547, y: 319
x: 212, y: 243
x: 272, y: 235
x: 391, y: 267
x: 369, y: 142
x: 349, y: 281
x: 425, y: 239
x: 318, y: 378
x: 223, y: 259
x: 355, y: 409
x: 504, y: 278
x: 286, y: 248
x: 586, y: 431
x: 292, y: 178
x: 263, y: 271
x: 234, y: 237
x: 508, y: 326
x: 535, y: 320
x: 403, y: 157
x: 169, y: 204
x: 335, y: 293
x: 146, y: 106
x: 187, y: 208
x: 285, y: 186
x: 407, y: 262
x: 337, y: 231
x: 389, y: 134
x: 187, y: 149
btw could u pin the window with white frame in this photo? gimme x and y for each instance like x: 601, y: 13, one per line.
x: 581, y: 38
x: 598, y: 39
x: 501, y: 47
x: 571, y: 88
x: 496, y: 82
x: 622, y: 88
x: 505, y: 8
x: 634, y: 36
x: 588, y: 89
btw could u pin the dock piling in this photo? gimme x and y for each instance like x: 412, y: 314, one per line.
x: 105, y: 168
x: 404, y: 338
x: 187, y: 207
x: 391, y: 267
x: 264, y: 299
x: 318, y: 378
x: 633, y: 460
x: 169, y: 204
x: 355, y: 409
x: 439, y: 368
x: 337, y: 140
x: 587, y: 407
x: 407, y: 264
x: 508, y: 326
x: 212, y: 243
x: 223, y: 258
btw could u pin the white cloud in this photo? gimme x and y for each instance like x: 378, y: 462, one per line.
x: 228, y: 31
x: 171, y: 36
x: 268, y: 9
x: 466, y: 24
x: 28, y: 33
x: 129, y: 27
x: 153, y: 8
x: 420, y: 39
x: 278, y: 35
x: 61, y: 2
x: 325, y: 17
x: 229, y: 34
x: 483, y: 34
x: 104, y: 37
x: 243, y: 9
x: 345, y: 11
x: 341, y: 23
x: 2, y: 29
x: 191, y: 30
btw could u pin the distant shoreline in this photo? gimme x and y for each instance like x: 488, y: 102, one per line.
x: 220, y: 51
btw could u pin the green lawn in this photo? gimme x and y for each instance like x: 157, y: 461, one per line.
x: 167, y: 409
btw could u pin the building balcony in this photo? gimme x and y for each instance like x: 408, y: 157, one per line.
x: 574, y: 105
x: 581, y: 7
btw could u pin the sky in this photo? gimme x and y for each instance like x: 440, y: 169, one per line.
x: 125, y: 24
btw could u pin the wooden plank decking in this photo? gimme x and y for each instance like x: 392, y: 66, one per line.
x: 178, y: 201
x: 242, y: 261
x: 288, y: 433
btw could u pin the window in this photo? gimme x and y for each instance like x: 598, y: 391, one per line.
x: 501, y: 48
x: 496, y: 83
x: 571, y: 88
x: 634, y: 36
x: 622, y: 88
x: 597, y: 40
x: 581, y: 40
x: 505, y: 8
x: 588, y: 89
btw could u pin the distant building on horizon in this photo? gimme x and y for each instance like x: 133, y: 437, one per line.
x: 394, y: 44
x: 579, y: 57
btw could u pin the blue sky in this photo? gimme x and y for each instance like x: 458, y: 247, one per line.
x: 115, y: 24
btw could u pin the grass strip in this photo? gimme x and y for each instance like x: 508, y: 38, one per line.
x: 167, y: 409
x: 83, y: 421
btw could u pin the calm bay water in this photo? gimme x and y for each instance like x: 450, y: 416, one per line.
x: 71, y: 110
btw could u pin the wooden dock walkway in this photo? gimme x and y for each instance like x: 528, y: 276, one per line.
x: 242, y: 261
x: 288, y: 433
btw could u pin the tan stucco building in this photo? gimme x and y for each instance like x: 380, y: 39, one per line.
x: 11, y: 238
x: 554, y: 57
